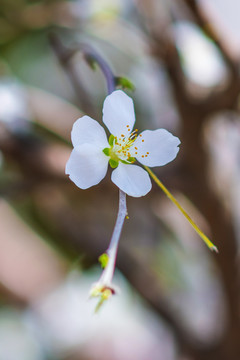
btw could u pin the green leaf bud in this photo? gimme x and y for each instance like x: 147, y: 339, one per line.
x: 111, y: 140
x: 113, y: 163
x: 106, y: 151
x: 124, y: 83
x: 103, y: 259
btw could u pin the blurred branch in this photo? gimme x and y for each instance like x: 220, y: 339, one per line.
x: 202, y: 21
x: 92, y: 57
x: 32, y: 157
x: 163, y: 48
x: 65, y: 57
x: 228, y: 96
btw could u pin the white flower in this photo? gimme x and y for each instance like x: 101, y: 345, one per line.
x: 88, y: 162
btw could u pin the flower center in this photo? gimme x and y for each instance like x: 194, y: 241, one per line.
x: 122, y: 148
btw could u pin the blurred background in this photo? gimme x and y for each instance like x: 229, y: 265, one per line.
x: 178, y: 300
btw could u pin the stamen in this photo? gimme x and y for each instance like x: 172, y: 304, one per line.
x: 122, y: 145
x: 133, y: 135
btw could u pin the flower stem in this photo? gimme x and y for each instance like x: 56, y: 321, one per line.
x: 113, y: 246
x: 210, y: 245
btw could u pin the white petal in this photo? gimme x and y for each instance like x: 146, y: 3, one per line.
x: 87, y: 166
x: 132, y: 179
x: 159, y: 146
x: 118, y: 113
x: 86, y: 130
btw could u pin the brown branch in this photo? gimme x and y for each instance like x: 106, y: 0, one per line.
x: 164, y: 49
x: 65, y: 57
x: 31, y: 156
x: 202, y: 21
x: 227, y: 97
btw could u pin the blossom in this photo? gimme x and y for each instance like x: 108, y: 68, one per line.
x: 92, y: 151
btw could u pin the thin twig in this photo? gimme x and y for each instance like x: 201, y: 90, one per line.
x: 113, y: 246
x: 90, y: 54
